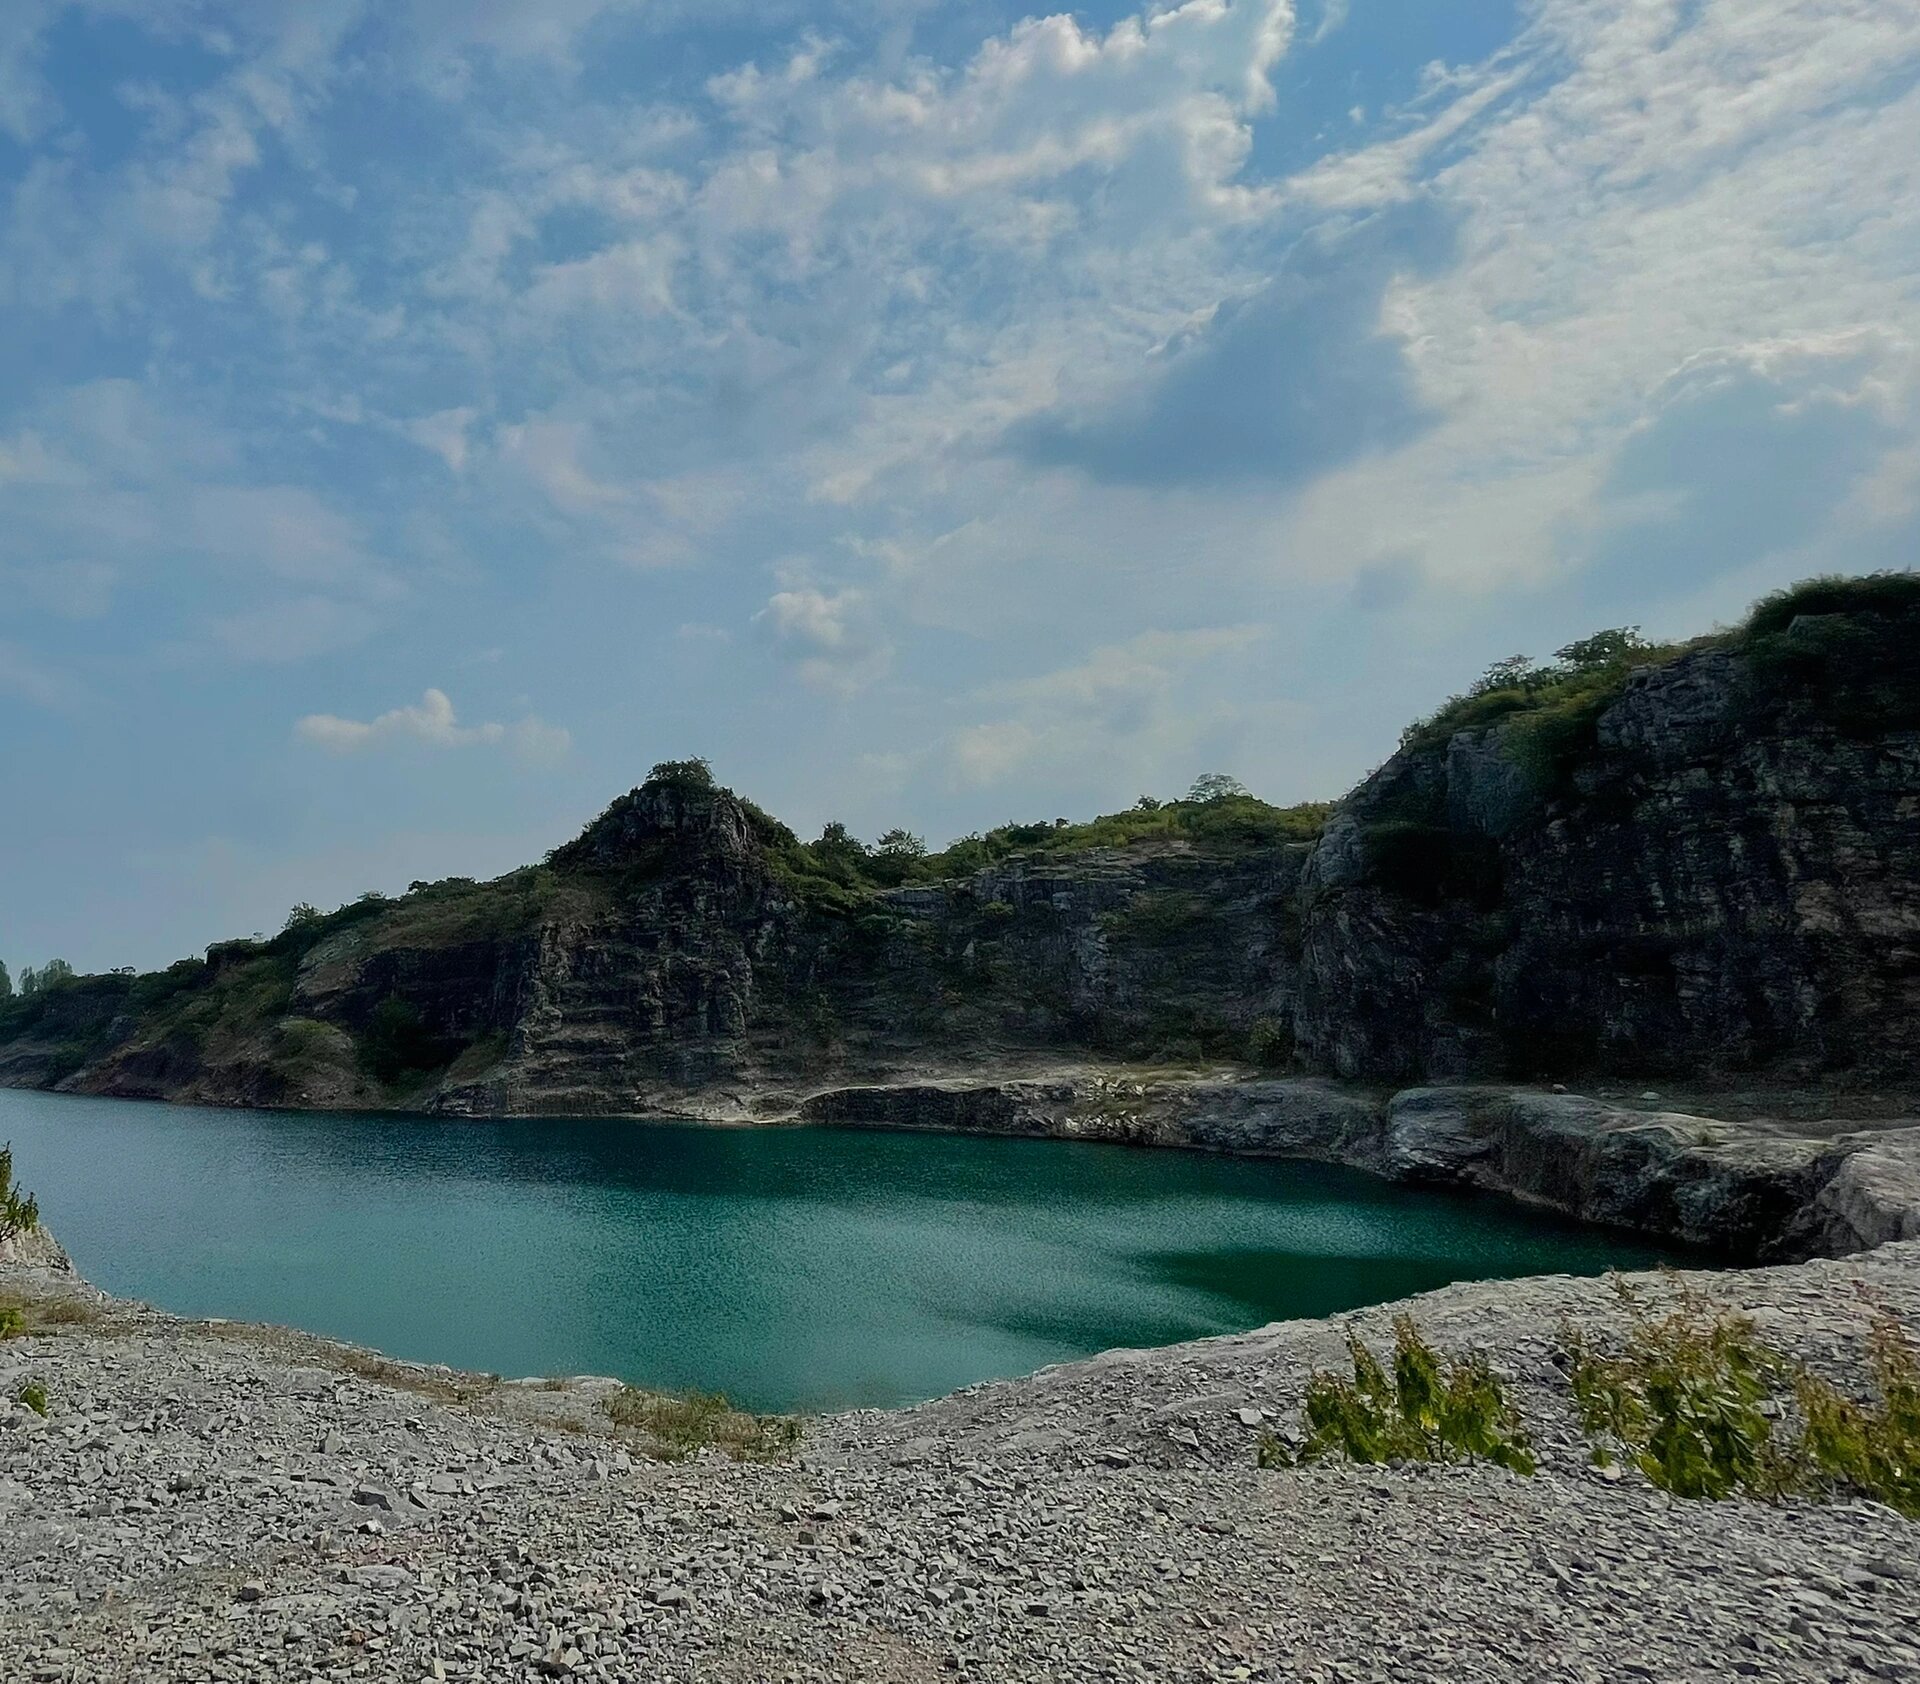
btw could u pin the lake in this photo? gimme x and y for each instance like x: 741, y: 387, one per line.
x: 804, y: 1269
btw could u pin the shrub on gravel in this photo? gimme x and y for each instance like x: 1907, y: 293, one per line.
x: 34, y: 1395
x: 1701, y: 1405
x: 673, y: 1425
x: 1429, y: 1408
x: 19, y: 1214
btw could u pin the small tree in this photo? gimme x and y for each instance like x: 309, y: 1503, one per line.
x: 19, y: 1214
x: 1603, y: 649
x: 1147, y: 804
x: 898, y: 844
x: 689, y: 774
x: 303, y: 917
x: 29, y: 982
x: 1515, y: 672
x: 1215, y: 786
x: 6, y: 983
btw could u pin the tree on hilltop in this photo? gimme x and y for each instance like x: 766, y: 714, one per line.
x: 1215, y: 786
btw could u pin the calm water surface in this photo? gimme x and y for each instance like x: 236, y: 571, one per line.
x: 792, y: 1269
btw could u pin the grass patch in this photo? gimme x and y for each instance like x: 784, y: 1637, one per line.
x: 1425, y: 1408
x: 21, y: 1316
x: 443, y: 1386
x: 673, y: 1425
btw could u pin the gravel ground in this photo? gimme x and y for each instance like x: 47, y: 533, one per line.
x: 210, y: 1501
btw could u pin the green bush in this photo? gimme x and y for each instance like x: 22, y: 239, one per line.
x: 1870, y: 1448
x: 1699, y: 1403
x: 1270, y: 1043
x: 1427, y: 1409
x: 1881, y: 595
x: 19, y: 1211
x: 34, y: 1395
x: 1685, y: 1401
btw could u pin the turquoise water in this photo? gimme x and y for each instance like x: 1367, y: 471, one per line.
x: 792, y: 1269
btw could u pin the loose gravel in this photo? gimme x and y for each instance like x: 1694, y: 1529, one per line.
x: 217, y: 1502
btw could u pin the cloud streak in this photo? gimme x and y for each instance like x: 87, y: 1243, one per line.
x: 430, y: 723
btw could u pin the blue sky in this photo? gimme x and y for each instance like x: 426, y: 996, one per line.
x: 419, y: 417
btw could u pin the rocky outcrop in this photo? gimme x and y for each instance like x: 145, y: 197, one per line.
x: 1757, y: 1190
x: 1718, y: 880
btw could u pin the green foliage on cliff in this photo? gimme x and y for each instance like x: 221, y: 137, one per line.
x: 1549, y: 709
x: 1841, y: 648
x: 396, y: 1042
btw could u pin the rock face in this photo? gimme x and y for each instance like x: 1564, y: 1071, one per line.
x: 1709, y: 864
x: 1718, y: 882
x: 1754, y: 1190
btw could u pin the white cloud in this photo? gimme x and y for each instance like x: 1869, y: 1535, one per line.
x: 1135, y: 702
x: 832, y: 638
x: 431, y: 723
x: 445, y: 434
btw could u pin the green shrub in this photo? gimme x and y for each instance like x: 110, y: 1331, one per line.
x: 13, y: 1321
x: 1685, y: 1401
x: 673, y: 1425
x: 397, y: 1042
x: 1698, y: 1403
x: 34, y: 1395
x: 1270, y: 1043
x: 1881, y: 595
x: 19, y: 1211
x: 1870, y: 1448
x: 1427, y: 1409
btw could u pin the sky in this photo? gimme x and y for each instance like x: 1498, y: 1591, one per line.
x: 418, y: 417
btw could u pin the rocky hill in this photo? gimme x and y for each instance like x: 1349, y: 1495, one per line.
x: 1697, y: 859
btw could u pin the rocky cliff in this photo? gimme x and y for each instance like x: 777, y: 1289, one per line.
x: 1699, y: 860
x: 1709, y: 862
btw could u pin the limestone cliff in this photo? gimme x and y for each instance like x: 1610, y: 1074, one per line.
x: 1717, y: 869
x: 1703, y: 861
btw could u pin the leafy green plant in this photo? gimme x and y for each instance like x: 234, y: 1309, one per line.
x: 1270, y: 1043
x: 1697, y: 1401
x: 1685, y: 1402
x: 673, y: 1425
x: 19, y: 1211
x: 34, y: 1395
x: 13, y: 1321
x: 1425, y: 1408
x: 1870, y: 1448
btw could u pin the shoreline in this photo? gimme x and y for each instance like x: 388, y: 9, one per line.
x: 222, y: 1500
x: 1758, y: 1188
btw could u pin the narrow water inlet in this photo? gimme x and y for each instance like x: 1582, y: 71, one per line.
x: 792, y: 1269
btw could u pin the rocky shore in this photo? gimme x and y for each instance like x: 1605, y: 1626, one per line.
x: 208, y: 1501
x: 1767, y: 1186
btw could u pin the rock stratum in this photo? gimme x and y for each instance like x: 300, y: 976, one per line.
x: 1692, y: 865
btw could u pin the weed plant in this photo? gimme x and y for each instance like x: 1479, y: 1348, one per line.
x: 1426, y: 1408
